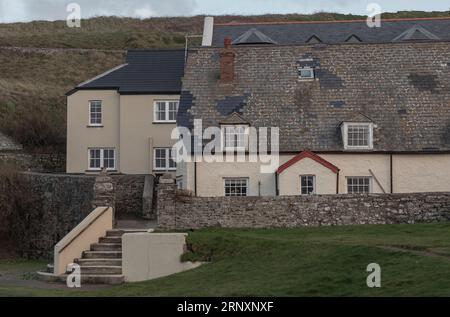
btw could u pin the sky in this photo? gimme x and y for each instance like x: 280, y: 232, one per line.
x: 29, y: 10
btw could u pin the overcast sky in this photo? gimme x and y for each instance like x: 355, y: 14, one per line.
x: 28, y: 10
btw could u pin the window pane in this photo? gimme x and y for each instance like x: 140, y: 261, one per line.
x: 94, y: 159
x: 358, y: 135
x: 160, y: 158
x: 108, y: 159
x: 173, y: 109
x: 160, y: 111
x: 307, y: 185
x: 172, y: 163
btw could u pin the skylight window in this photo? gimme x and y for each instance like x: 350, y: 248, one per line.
x: 306, y: 73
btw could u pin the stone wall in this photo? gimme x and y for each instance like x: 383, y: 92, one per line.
x: 129, y: 195
x: 178, y: 210
x: 55, y: 163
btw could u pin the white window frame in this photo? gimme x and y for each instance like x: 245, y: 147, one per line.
x: 93, y: 124
x: 102, y: 158
x: 247, y: 185
x: 167, y: 159
x: 314, y: 185
x: 166, y: 111
x: 225, y: 147
x: 345, y: 128
x: 311, y: 69
x: 360, y: 177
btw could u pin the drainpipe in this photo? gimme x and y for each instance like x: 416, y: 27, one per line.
x: 392, y: 173
x: 195, y: 177
x: 277, y: 190
x: 337, y: 182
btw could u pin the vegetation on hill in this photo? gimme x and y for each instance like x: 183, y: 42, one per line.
x: 33, y: 81
x: 414, y: 261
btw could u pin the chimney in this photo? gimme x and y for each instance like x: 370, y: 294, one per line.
x: 208, y: 30
x: 227, y: 56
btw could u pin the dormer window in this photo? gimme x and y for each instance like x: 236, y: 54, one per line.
x: 235, y: 137
x: 357, y: 136
x: 306, y: 73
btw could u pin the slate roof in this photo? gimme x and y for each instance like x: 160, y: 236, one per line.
x: 403, y: 88
x: 7, y: 144
x: 145, y: 71
x: 334, y: 32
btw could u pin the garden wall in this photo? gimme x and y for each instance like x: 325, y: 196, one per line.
x: 63, y: 202
x: 177, y: 210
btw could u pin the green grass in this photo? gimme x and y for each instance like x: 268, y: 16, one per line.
x: 300, y: 262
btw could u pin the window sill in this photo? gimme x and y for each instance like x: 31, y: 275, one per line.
x: 164, y: 122
x: 95, y: 126
x: 98, y: 171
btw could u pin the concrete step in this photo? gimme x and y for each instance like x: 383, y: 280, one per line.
x: 106, y: 247
x: 97, y: 279
x: 101, y: 270
x: 110, y: 240
x: 102, y: 255
x: 121, y: 232
x: 99, y: 262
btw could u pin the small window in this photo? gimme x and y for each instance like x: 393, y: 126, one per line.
x: 102, y: 158
x: 308, y: 184
x: 235, y: 137
x: 166, y: 111
x: 359, y: 185
x: 165, y: 159
x: 236, y: 187
x: 306, y: 73
x: 95, y: 113
x: 358, y: 136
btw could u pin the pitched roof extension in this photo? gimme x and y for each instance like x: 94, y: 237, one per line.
x: 145, y: 71
x: 335, y: 32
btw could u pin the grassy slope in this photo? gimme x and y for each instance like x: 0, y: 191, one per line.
x: 33, y: 82
x: 302, y: 262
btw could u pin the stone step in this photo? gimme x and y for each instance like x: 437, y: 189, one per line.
x: 99, y: 262
x: 110, y: 240
x: 98, y: 279
x: 102, y: 255
x: 106, y: 247
x: 101, y: 270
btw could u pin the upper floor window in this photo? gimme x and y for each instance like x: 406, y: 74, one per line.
x: 308, y: 184
x: 165, y: 159
x: 306, y: 73
x: 235, y: 137
x: 95, y: 113
x: 166, y: 111
x: 358, y: 136
x: 102, y: 158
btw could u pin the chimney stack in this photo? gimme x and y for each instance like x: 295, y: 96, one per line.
x: 208, y: 30
x: 227, y: 56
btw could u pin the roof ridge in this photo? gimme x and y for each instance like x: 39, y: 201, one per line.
x: 329, y: 21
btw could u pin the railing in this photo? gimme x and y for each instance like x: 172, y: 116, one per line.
x: 80, y: 239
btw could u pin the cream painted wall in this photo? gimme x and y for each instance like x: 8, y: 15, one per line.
x: 289, y: 180
x: 412, y: 173
x: 422, y: 173
x: 80, y: 137
x: 139, y: 135
x: 127, y: 126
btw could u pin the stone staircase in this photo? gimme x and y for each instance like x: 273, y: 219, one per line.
x: 102, y: 264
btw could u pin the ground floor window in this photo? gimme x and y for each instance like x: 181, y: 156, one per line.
x: 164, y: 159
x: 359, y: 185
x: 102, y: 158
x: 236, y: 187
x: 308, y: 184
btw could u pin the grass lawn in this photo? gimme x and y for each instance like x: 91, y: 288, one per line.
x: 415, y: 261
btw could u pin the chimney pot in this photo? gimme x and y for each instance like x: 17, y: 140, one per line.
x: 228, y: 41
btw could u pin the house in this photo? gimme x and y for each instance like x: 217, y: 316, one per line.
x: 122, y: 120
x: 359, y: 110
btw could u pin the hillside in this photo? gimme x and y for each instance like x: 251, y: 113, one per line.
x: 40, y: 61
